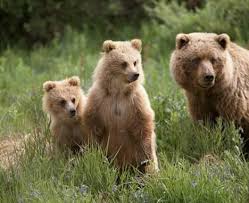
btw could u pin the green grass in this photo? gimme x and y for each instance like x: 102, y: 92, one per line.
x: 41, y: 176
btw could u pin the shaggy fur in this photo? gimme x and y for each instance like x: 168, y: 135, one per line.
x: 64, y: 101
x: 214, y: 72
x: 118, y: 111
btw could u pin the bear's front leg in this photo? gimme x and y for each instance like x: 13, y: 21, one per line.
x: 94, y: 128
x: 148, y: 160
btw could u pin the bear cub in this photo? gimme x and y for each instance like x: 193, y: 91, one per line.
x: 64, y: 101
x: 118, y: 112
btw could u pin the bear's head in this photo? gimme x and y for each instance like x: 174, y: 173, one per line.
x: 201, y: 61
x: 121, y: 63
x: 62, y: 99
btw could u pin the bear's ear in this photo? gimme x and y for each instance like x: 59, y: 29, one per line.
x: 181, y: 40
x: 74, y: 81
x: 137, y: 44
x: 223, y: 40
x: 48, y: 85
x: 108, y: 45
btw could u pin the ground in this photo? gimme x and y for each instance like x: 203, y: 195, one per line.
x: 198, y: 163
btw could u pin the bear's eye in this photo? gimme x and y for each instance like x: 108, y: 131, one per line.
x: 73, y: 100
x: 195, y: 60
x: 124, y: 65
x: 62, y: 102
x: 135, y: 63
x: 213, y: 60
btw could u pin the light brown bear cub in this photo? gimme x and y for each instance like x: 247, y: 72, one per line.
x: 214, y: 72
x: 118, y: 111
x: 64, y: 101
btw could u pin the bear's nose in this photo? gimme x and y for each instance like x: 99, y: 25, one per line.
x: 209, y: 78
x: 72, y: 112
x: 135, y: 76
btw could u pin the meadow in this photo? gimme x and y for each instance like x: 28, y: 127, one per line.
x: 197, y: 163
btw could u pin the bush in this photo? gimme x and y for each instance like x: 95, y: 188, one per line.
x: 222, y: 16
x: 226, y: 16
x: 40, y: 21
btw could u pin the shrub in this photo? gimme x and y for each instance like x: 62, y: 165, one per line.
x: 40, y: 21
x: 217, y: 16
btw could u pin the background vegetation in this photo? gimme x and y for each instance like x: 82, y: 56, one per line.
x: 51, y: 40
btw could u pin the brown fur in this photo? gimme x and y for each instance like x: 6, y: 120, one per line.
x: 118, y: 111
x: 61, y: 97
x: 200, y: 54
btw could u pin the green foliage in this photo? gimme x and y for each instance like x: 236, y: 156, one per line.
x: 223, y: 16
x: 29, y: 22
x: 198, y: 183
x: 41, y: 21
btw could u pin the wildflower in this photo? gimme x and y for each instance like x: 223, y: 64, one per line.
x: 83, y: 189
x: 194, y: 184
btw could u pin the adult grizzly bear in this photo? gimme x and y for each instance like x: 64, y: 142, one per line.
x: 214, y: 72
x: 118, y: 111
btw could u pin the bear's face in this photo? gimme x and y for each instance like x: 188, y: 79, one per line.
x: 122, y: 61
x: 200, y: 60
x: 61, y: 98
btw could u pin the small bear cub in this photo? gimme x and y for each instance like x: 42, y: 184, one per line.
x: 64, y: 101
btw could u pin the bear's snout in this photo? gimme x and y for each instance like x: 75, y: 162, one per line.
x: 208, y: 78
x: 206, y: 74
x: 133, y: 77
x: 72, y: 112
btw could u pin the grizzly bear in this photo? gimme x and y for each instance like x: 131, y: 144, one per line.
x: 118, y: 112
x: 214, y: 72
x: 64, y: 101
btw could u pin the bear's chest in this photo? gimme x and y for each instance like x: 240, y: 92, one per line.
x: 72, y: 130
x: 117, y: 111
